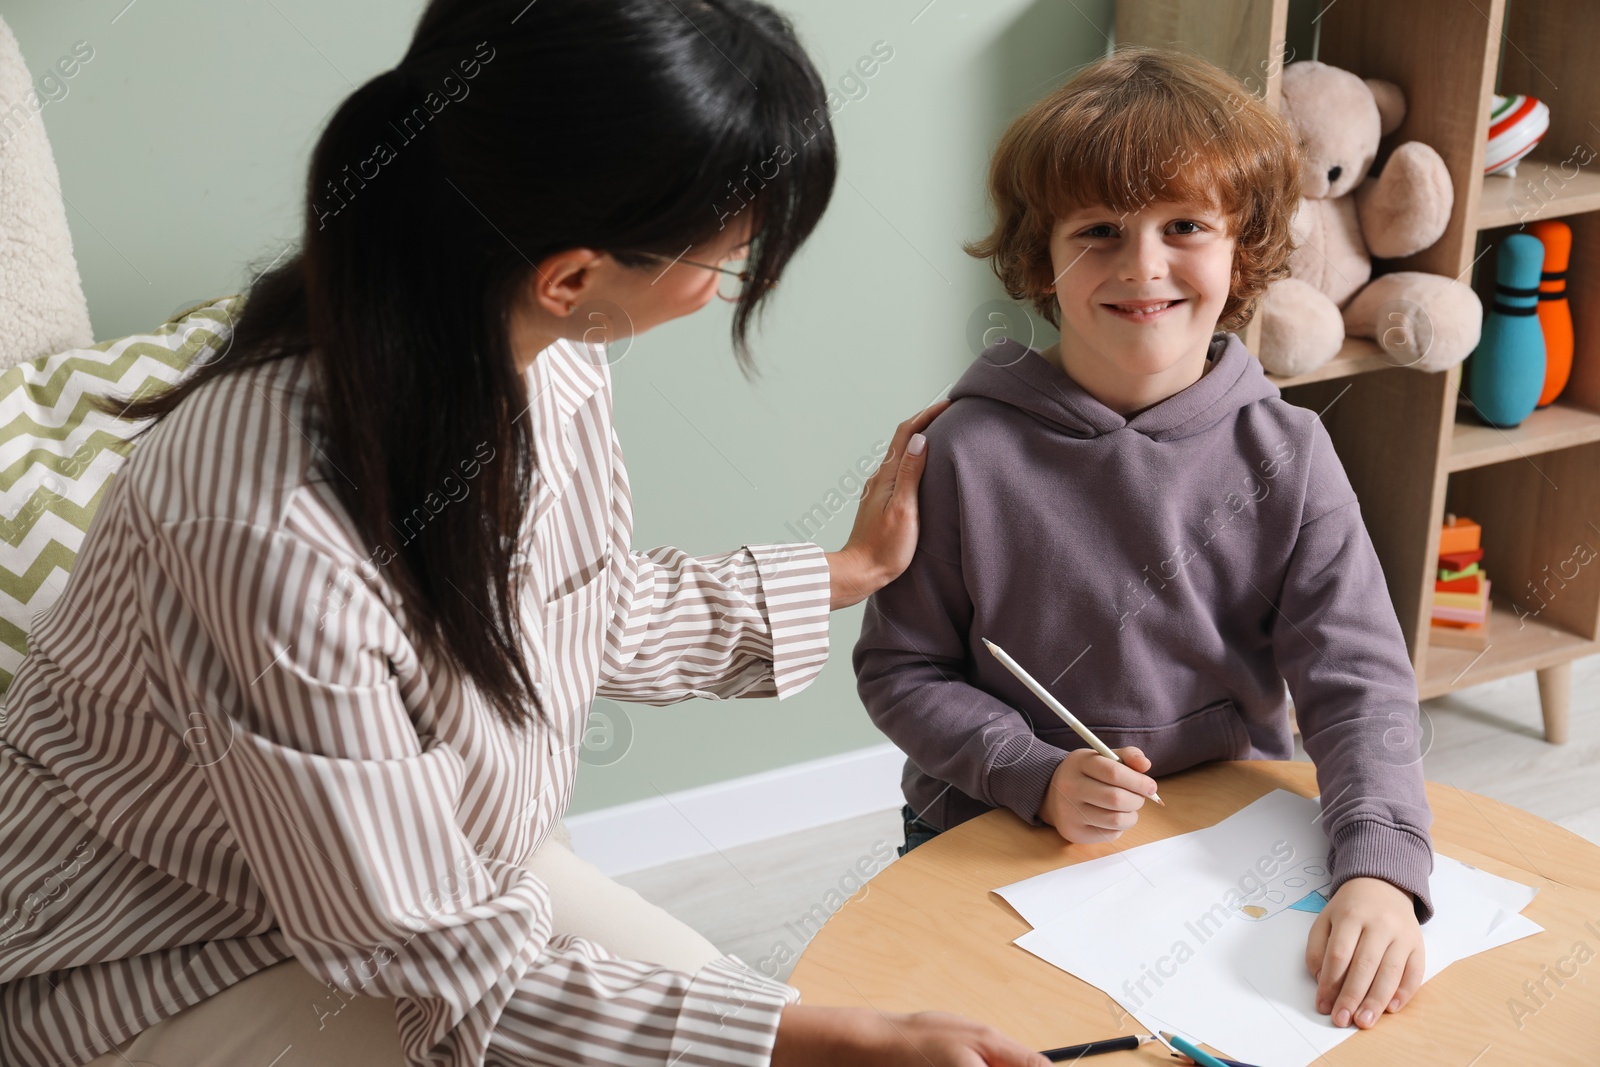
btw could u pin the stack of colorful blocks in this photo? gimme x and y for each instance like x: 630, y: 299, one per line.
x: 1461, y: 588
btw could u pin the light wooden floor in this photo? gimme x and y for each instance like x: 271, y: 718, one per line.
x: 762, y: 902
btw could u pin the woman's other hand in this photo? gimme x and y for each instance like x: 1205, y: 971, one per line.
x: 845, y: 1037
x: 884, y: 536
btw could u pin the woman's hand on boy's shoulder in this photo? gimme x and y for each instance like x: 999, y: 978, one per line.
x: 884, y: 536
x: 1366, y: 952
x: 1091, y: 798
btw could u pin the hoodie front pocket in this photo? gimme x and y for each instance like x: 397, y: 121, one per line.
x: 1214, y: 732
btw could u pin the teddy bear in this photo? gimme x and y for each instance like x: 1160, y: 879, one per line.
x: 1425, y: 321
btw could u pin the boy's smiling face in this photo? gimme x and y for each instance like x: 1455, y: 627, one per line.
x: 1140, y: 297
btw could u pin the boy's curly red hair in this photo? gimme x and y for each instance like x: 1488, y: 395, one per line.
x: 1144, y: 125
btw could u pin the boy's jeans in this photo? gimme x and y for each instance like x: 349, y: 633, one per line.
x: 917, y: 831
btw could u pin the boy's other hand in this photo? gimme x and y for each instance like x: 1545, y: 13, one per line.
x: 1092, y: 798
x: 884, y: 536
x: 1365, y: 950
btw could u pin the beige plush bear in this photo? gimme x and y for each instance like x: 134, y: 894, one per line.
x: 1425, y: 321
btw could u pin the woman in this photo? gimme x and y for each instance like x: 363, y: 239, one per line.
x: 278, y: 778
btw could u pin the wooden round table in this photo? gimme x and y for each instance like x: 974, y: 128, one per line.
x: 927, y: 934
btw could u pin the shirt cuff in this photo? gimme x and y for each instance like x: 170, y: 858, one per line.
x: 1366, y: 848
x: 1019, y: 774
x: 729, y: 1016
x: 795, y: 596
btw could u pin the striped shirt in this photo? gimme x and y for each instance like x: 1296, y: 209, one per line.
x: 224, y: 750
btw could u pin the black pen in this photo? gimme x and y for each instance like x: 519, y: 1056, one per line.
x: 1095, y: 1048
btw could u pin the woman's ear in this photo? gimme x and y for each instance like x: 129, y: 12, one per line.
x: 563, y: 280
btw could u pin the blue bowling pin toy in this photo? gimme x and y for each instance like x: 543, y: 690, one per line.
x: 1507, y: 371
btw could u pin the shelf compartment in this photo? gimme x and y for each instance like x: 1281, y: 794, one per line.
x: 1442, y: 54
x: 1561, y: 425
x: 1507, y: 201
x: 1541, y: 538
x: 1550, y: 56
x: 1574, y: 419
x: 1515, y: 645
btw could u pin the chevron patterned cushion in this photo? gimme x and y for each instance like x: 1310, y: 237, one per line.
x: 58, y: 455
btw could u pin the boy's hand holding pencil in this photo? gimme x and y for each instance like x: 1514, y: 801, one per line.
x: 1094, y: 799
x: 1096, y: 792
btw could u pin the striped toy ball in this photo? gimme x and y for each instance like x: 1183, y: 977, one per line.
x: 1516, y: 123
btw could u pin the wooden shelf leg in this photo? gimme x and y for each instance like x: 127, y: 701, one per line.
x: 1555, y: 698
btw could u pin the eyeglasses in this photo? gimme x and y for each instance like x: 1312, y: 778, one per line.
x: 742, y: 272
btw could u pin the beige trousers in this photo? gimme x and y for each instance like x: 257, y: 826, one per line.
x: 282, y: 1017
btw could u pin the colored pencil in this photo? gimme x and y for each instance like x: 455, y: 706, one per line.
x: 1198, y: 1055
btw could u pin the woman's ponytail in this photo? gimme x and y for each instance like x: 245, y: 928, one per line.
x: 367, y: 277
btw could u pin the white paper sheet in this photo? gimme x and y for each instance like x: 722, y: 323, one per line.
x: 1203, y: 933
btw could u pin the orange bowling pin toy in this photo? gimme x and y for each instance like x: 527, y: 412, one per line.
x: 1555, y: 315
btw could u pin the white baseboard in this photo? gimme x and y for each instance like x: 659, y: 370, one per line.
x: 711, y: 818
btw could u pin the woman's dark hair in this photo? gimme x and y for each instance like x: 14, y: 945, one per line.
x: 509, y: 131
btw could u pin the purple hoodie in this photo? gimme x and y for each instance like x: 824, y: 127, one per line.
x: 1162, y: 576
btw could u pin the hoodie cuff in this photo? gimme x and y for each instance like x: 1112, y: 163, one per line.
x: 1370, y: 849
x: 1019, y: 775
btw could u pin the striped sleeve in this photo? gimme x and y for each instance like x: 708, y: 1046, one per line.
x: 753, y: 623
x: 345, y: 807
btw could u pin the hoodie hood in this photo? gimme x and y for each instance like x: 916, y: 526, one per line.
x: 1015, y: 374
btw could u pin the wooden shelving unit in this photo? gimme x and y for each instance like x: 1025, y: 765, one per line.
x: 1411, y: 455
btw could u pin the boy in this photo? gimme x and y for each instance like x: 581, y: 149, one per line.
x: 1139, y: 519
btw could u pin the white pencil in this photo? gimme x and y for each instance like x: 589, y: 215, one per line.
x: 1060, y: 709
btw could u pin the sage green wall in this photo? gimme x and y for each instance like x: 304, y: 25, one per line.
x: 182, y: 146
